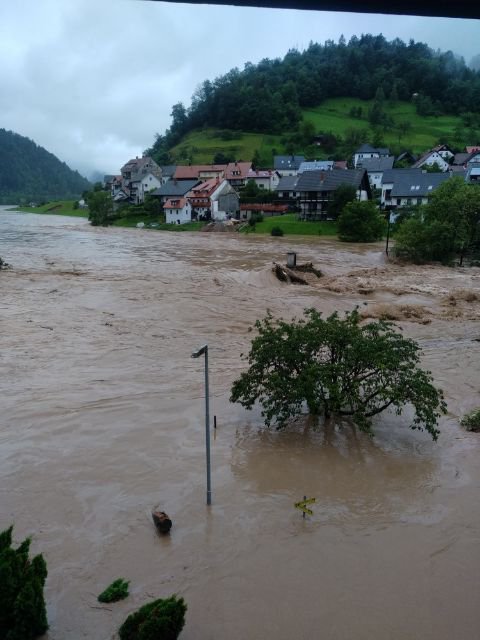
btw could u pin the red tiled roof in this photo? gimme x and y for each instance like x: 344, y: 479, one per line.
x: 266, y: 173
x: 472, y: 149
x: 179, y: 203
x: 192, y: 171
x: 340, y: 164
x: 237, y: 170
x: 204, y: 189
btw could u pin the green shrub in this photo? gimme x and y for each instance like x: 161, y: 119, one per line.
x: 471, y: 421
x: 254, y: 218
x: 23, y: 613
x: 118, y: 590
x: 276, y: 231
x: 161, y: 619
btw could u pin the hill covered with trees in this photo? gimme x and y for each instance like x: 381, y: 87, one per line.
x: 29, y: 172
x: 271, y: 96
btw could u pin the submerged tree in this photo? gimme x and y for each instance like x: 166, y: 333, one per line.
x: 336, y: 367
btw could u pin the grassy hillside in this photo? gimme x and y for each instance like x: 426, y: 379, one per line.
x: 200, y: 147
x: 332, y: 115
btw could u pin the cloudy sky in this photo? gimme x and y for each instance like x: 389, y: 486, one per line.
x: 92, y: 81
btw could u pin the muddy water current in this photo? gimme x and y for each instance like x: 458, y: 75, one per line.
x: 101, y: 418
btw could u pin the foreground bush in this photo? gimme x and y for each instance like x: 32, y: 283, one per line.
x: 471, y: 421
x: 23, y: 614
x: 276, y: 231
x: 157, y: 620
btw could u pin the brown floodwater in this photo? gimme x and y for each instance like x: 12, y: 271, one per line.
x: 102, y: 419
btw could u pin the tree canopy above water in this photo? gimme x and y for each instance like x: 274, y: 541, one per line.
x: 336, y: 367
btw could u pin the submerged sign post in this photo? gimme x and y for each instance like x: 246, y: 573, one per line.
x: 302, y: 505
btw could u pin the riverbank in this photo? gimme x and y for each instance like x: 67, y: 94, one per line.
x: 60, y: 208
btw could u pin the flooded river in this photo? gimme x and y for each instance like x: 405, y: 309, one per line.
x: 101, y: 418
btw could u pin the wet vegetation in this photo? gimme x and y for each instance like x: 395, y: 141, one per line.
x: 446, y: 229
x: 29, y: 172
x: 471, y: 421
x: 336, y: 367
x: 23, y: 613
x: 161, y: 619
x: 116, y: 591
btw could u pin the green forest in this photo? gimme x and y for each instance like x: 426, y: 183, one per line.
x: 29, y: 172
x: 273, y: 96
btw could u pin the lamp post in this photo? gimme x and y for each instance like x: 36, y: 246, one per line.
x: 197, y: 354
x: 388, y: 232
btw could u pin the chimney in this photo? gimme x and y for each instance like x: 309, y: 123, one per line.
x: 322, y: 176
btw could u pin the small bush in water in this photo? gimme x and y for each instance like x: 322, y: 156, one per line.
x: 158, y: 620
x: 118, y: 590
x: 471, y: 421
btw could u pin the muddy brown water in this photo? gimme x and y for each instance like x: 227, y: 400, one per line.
x: 102, y: 418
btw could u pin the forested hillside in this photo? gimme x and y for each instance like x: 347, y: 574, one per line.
x: 29, y: 172
x: 269, y: 97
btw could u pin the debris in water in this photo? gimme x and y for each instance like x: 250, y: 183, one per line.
x: 161, y: 521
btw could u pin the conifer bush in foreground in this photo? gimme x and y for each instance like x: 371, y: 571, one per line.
x: 161, y: 619
x: 23, y: 613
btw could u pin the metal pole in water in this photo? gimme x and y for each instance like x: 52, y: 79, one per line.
x: 207, y: 430
x: 196, y: 354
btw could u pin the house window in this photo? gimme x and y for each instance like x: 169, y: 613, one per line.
x: 399, y: 201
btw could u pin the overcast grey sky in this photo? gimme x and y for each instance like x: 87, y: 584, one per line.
x: 92, y: 81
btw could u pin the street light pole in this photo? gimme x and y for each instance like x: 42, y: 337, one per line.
x: 197, y: 354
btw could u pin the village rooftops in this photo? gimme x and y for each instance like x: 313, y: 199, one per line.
x: 175, y: 203
x: 329, y: 180
x: 422, y: 184
x: 376, y: 164
x: 316, y: 165
x: 286, y: 163
x: 175, y: 188
x: 188, y: 172
x: 237, y: 170
x: 205, y: 189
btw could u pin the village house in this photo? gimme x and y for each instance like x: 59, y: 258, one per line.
x: 444, y: 151
x: 472, y: 173
x: 133, y: 172
x: 287, y: 165
x: 431, y: 158
x: 168, y: 171
x: 375, y: 168
x: 313, y: 190
x: 237, y: 173
x: 213, y: 199
x: 174, y: 189
x: 366, y: 152
x: 316, y: 165
x: 199, y: 171
x: 408, y: 187
x: 178, y: 211
x: 264, y: 178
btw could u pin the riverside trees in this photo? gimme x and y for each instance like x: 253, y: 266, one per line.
x: 336, y: 367
x: 448, y: 227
